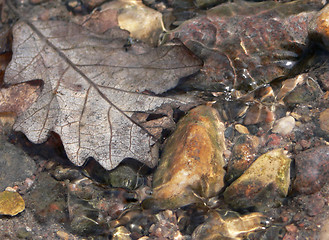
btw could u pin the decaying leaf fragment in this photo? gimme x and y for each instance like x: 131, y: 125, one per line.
x: 18, y: 98
x: 92, y: 87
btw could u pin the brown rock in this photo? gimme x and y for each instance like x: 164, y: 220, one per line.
x: 243, y: 155
x: 312, y: 169
x: 192, y: 163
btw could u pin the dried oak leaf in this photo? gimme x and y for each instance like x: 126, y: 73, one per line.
x: 92, y: 87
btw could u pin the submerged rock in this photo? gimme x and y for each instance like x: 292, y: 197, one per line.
x: 243, y: 155
x: 245, y: 50
x: 47, y: 199
x: 306, y: 90
x: 312, y: 169
x: 121, y: 233
x: 263, y: 185
x: 191, y: 166
x: 15, y: 164
x: 11, y: 203
x: 223, y: 224
x: 319, y: 27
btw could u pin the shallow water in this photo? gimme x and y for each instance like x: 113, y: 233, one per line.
x: 253, y: 80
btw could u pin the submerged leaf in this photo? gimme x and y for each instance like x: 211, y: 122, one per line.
x: 92, y: 87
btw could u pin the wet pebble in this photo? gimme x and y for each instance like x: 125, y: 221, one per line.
x: 312, y: 169
x: 191, y: 166
x: 222, y: 224
x: 263, y: 185
x: 243, y: 155
x: 121, y: 233
x: 24, y: 233
x: 284, y: 126
x: 124, y: 176
x: 61, y: 173
x: 11, y: 203
x: 259, y: 113
x: 306, y: 91
x: 241, y: 129
x: 166, y: 226
x: 324, y: 120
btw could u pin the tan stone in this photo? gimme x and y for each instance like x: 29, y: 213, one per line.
x: 11, y: 203
x: 191, y: 167
x: 264, y: 184
x: 324, y: 120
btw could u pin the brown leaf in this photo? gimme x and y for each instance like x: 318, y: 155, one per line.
x: 92, y: 87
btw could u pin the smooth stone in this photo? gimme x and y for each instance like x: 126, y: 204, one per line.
x: 263, y: 185
x: 241, y: 129
x: 191, y: 166
x: 312, y: 169
x: 324, y: 120
x: 121, y: 233
x: 223, y: 224
x: 284, y: 126
x: 243, y: 155
x: 124, y: 176
x: 15, y: 164
x: 11, y: 203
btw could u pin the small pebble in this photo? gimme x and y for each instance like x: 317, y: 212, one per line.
x: 291, y: 228
x: 324, y: 120
x: 284, y: 126
x: 241, y: 129
x: 121, y: 233
x: 63, y: 235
